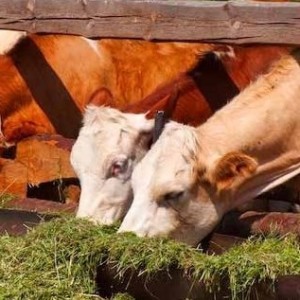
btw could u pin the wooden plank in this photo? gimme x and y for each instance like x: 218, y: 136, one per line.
x: 225, y: 22
x: 13, y: 178
x: 46, y: 158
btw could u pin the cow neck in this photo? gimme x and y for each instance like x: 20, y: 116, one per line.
x: 47, y: 88
x: 254, y: 123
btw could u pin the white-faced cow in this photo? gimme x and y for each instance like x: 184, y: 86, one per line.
x: 192, y: 176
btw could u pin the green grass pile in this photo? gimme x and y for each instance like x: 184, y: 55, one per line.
x: 58, y: 260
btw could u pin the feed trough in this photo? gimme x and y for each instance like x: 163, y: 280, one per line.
x: 73, y: 258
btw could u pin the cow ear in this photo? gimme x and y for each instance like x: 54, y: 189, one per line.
x: 141, y: 123
x: 232, y: 169
x: 101, y: 97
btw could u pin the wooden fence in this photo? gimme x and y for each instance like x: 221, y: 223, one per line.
x: 210, y: 21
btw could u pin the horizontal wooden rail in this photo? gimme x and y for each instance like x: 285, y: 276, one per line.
x: 225, y: 22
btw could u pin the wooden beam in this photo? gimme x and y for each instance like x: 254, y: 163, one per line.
x: 225, y: 22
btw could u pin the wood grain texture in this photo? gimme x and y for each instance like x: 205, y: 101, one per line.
x: 45, y: 158
x: 225, y: 22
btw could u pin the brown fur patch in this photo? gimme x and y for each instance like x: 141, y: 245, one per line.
x: 191, y: 106
x: 252, y: 61
x: 233, y: 168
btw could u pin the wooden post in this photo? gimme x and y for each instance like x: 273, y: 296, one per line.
x: 210, y: 21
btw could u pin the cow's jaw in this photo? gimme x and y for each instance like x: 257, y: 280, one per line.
x: 148, y: 219
x: 102, y: 203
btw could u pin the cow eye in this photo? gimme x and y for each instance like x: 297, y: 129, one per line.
x: 173, y: 196
x: 118, y: 168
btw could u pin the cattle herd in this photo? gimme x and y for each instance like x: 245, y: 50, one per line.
x: 173, y: 136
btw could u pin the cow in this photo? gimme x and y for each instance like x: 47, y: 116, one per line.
x: 48, y: 79
x: 192, y: 176
x: 111, y: 142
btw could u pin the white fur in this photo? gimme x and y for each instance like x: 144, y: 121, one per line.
x: 221, y: 54
x: 9, y: 38
x: 93, y: 44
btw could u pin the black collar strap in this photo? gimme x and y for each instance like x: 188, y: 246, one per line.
x: 163, y: 116
x: 159, y: 124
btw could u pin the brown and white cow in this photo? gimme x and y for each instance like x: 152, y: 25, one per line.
x: 48, y: 79
x: 192, y: 176
x: 112, y: 142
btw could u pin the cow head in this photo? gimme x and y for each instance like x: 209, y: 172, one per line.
x: 108, y: 147
x: 178, y: 192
